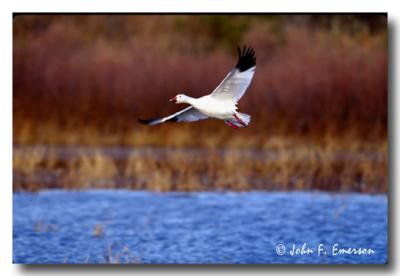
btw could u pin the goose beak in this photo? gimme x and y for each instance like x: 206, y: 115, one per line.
x: 173, y: 99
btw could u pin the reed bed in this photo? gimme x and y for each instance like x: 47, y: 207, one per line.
x: 285, y: 166
x: 318, y: 102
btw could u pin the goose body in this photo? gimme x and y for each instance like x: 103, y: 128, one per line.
x: 213, y: 108
x: 222, y: 102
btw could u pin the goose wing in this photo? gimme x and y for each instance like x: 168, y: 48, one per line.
x: 189, y: 114
x: 238, y: 79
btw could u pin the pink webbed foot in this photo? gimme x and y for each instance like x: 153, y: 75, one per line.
x: 239, y: 120
x: 231, y: 125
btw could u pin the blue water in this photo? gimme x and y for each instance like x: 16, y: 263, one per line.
x: 208, y: 227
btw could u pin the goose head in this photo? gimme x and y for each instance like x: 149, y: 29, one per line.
x: 180, y: 98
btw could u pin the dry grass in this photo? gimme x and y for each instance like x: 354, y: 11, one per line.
x: 318, y: 102
x: 282, y: 165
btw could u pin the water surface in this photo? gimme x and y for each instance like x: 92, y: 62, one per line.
x: 98, y: 226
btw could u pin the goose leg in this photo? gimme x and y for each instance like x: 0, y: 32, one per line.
x: 239, y: 120
x: 231, y: 125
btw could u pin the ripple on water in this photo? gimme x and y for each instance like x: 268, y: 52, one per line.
x: 206, y: 227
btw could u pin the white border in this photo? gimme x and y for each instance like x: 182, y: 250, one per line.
x: 6, y: 9
x: 201, y: 6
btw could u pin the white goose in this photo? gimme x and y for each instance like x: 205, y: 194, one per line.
x: 222, y: 102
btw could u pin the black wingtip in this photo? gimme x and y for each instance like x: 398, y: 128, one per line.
x: 173, y: 120
x: 247, y: 58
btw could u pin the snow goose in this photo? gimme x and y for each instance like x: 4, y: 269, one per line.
x: 222, y: 102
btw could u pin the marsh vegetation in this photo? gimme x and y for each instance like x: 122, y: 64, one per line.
x: 290, y: 166
x: 198, y: 192
x: 318, y: 102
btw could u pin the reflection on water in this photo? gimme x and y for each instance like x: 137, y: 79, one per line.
x: 213, y: 227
